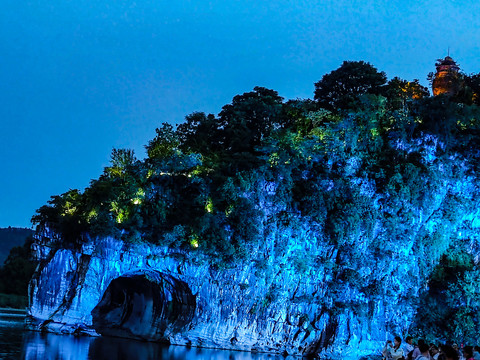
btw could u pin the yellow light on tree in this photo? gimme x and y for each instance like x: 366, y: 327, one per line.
x: 209, y: 205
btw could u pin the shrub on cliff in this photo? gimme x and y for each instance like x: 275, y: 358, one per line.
x: 450, y: 309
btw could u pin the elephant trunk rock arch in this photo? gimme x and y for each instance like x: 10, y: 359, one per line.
x: 146, y: 304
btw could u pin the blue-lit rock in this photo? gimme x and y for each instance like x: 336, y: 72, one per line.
x: 298, y: 293
x: 245, y: 308
x: 144, y: 304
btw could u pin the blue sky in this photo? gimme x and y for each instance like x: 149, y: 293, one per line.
x: 78, y: 78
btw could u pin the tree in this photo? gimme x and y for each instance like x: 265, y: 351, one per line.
x: 451, y: 121
x: 296, y: 114
x: 472, y: 84
x: 17, y: 270
x: 338, y: 89
x: 64, y: 214
x: 164, y: 144
x: 399, y: 92
x: 120, y: 159
x: 199, y: 134
x: 451, y: 306
x: 250, y: 118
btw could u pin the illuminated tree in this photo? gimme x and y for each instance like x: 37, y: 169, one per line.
x: 399, y: 92
x: 164, y: 144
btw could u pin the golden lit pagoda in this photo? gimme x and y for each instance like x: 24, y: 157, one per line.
x: 447, y: 79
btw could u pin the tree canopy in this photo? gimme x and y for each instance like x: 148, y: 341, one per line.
x: 339, y: 89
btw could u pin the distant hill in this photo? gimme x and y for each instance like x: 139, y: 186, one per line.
x: 11, y: 237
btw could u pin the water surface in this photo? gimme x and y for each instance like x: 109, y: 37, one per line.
x: 18, y: 343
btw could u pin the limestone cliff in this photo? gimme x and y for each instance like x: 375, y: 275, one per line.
x: 295, y: 294
x: 317, y: 237
x: 152, y: 293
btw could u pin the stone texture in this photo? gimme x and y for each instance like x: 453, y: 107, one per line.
x: 144, y: 304
x: 273, y: 308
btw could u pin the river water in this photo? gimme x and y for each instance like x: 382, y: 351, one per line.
x: 18, y: 343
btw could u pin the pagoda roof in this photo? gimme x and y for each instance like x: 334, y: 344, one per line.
x: 446, y: 61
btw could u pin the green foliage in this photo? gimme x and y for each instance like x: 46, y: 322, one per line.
x: 401, y: 93
x: 454, y: 123
x: 164, y: 144
x: 340, y: 88
x: 17, y: 270
x: 250, y: 118
x: 199, y: 134
x: 451, y: 307
x: 296, y: 115
x: 63, y: 214
x: 472, y: 89
x: 120, y: 160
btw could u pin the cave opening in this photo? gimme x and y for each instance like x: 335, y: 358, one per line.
x: 147, y: 305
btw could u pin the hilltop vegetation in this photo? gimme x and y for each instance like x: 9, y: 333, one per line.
x: 365, y: 151
x: 12, y: 237
x: 16, y: 267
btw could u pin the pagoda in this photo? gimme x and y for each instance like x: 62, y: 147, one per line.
x: 447, y: 79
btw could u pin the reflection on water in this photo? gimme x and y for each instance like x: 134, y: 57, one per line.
x: 11, y: 331
x: 17, y: 343
x: 50, y: 346
x: 38, y: 346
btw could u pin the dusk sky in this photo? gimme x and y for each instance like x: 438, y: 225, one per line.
x: 79, y: 78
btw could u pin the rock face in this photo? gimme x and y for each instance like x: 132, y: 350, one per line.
x: 153, y: 293
x: 144, y: 304
x: 298, y: 293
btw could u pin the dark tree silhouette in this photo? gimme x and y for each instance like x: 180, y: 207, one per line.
x: 17, y: 270
x: 250, y: 118
x: 199, y: 134
x: 472, y: 83
x: 339, y: 89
